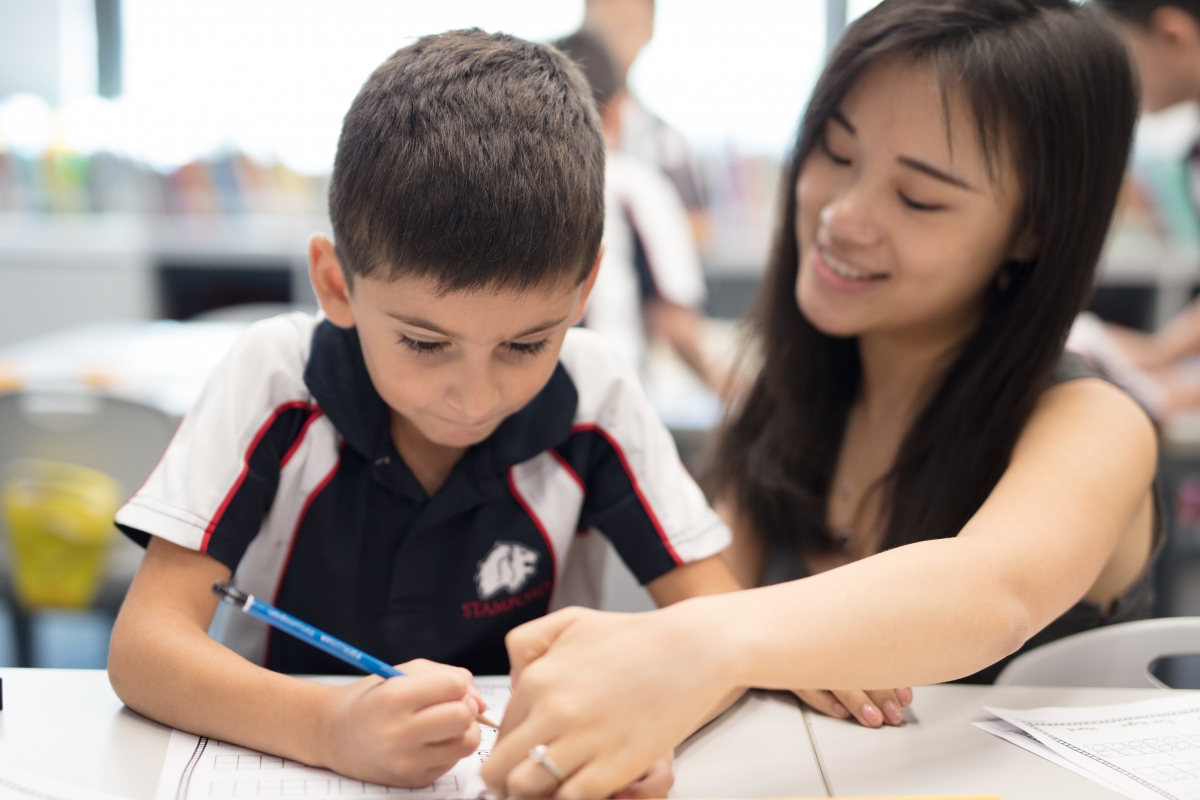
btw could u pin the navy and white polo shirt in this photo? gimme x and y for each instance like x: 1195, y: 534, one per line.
x: 285, y: 471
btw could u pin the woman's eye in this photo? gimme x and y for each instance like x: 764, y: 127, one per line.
x: 422, y: 348
x: 528, y: 348
x: 913, y: 204
x: 834, y: 157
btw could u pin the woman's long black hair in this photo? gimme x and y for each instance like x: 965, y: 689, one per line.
x: 1053, y: 94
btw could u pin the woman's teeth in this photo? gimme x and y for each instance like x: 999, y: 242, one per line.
x: 846, y: 271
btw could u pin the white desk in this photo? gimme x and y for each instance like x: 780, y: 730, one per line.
x: 943, y: 754
x: 68, y: 724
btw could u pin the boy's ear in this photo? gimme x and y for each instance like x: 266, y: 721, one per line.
x: 588, y: 284
x: 1175, y: 28
x: 329, y: 282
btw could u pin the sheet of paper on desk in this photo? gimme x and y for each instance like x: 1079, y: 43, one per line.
x: 16, y: 784
x: 1011, y: 733
x: 1147, y: 750
x: 197, y: 768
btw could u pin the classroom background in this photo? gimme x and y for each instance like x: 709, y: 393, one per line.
x: 163, y: 163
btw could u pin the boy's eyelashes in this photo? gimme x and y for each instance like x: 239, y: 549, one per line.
x: 423, y: 348
x: 528, y: 348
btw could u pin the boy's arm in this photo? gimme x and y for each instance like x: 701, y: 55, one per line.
x: 402, y: 732
x: 707, y: 576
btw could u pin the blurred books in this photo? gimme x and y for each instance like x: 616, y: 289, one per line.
x: 69, y: 183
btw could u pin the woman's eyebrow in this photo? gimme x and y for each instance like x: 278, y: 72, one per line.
x: 935, y: 173
x: 840, y: 118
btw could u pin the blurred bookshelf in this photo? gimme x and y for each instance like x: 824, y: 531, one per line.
x: 101, y: 237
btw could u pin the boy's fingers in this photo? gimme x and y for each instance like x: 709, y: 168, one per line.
x: 530, y: 641
x: 418, y: 691
x: 443, y: 722
x: 905, y: 695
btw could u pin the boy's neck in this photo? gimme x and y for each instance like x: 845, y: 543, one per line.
x: 430, y: 463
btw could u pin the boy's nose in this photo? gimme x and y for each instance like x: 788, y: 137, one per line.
x: 474, y: 398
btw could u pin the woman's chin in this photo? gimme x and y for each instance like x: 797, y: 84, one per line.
x: 840, y: 322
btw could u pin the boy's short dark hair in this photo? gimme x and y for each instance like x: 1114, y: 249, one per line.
x: 592, y: 56
x: 1139, y: 11
x: 473, y: 159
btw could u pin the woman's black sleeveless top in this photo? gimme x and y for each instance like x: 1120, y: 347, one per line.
x: 1136, y: 603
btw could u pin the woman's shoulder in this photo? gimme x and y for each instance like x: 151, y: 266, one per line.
x: 1072, y: 367
x: 1080, y: 401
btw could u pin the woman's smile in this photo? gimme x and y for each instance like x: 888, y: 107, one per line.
x: 840, y: 275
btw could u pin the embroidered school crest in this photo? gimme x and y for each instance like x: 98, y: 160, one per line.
x: 509, y: 565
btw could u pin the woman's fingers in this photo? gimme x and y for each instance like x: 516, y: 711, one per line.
x: 528, y: 642
x: 823, y: 701
x: 861, y: 706
x: 888, y: 704
x: 872, y: 708
x: 655, y: 783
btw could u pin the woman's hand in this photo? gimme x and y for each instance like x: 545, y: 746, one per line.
x: 872, y: 709
x: 604, y: 692
x: 655, y: 783
x: 403, y: 731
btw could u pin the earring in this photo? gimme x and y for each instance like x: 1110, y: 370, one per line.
x: 1003, y: 279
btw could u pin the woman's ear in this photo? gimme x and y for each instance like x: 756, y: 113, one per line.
x: 329, y: 282
x: 1026, y: 247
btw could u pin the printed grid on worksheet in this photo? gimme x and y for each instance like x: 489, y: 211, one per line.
x: 302, y: 786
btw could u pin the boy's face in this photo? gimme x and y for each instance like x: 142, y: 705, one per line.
x: 455, y: 365
x: 1167, y: 54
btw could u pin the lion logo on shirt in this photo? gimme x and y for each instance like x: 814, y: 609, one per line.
x: 509, y: 565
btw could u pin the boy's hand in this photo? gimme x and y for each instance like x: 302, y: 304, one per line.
x: 872, y: 709
x: 403, y: 731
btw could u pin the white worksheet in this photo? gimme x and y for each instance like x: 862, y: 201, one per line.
x: 198, y: 768
x: 1147, y: 750
x: 1011, y: 733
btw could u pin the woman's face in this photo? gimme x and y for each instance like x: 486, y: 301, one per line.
x: 900, y: 227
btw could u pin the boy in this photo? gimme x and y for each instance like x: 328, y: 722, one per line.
x: 410, y: 472
x: 1164, y: 40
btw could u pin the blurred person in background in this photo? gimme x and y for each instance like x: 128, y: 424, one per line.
x: 1164, y: 40
x: 626, y: 27
x: 651, y: 283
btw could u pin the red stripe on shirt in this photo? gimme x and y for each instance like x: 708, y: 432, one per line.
x: 562, y: 462
x: 316, y: 414
x: 266, y: 426
x: 516, y: 493
x: 637, y: 489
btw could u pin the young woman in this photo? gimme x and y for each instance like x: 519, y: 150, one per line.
x: 916, y: 443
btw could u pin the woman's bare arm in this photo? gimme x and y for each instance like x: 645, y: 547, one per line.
x: 923, y: 613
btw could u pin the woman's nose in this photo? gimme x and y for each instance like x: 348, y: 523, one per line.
x: 850, y: 220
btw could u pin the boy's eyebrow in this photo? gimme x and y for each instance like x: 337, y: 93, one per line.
x: 417, y: 322
x: 935, y: 173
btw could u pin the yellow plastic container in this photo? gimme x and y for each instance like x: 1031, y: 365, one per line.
x: 60, y: 524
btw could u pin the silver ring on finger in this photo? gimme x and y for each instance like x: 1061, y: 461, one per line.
x: 541, y: 755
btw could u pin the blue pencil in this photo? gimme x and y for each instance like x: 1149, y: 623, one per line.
x: 285, y: 622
